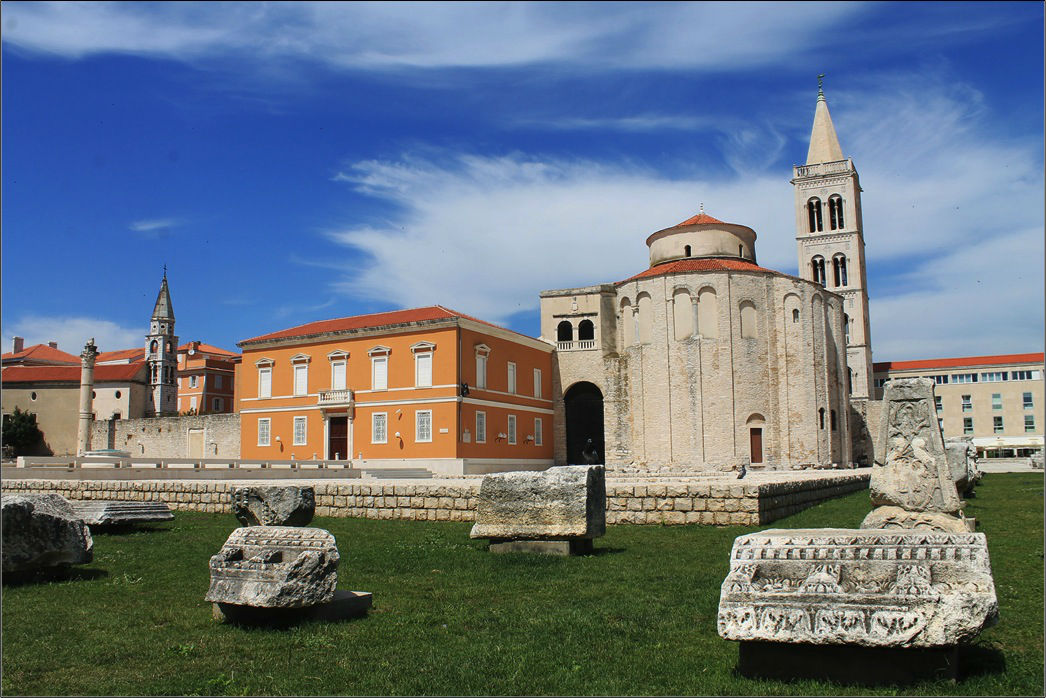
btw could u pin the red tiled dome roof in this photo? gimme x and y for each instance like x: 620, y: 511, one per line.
x: 699, y: 219
x: 704, y: 264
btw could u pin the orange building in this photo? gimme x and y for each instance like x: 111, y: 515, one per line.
x: 206, y: 378
x: 427, y: 387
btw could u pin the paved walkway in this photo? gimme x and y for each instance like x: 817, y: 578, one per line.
x: 1006, y: 465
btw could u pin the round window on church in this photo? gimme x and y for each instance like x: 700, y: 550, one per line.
x: 32, y: 396
x: 118, y: 394
x: 93, y: 396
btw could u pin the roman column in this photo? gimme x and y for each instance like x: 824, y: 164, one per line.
x: 83, y: 432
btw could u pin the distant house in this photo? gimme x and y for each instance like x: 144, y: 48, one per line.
x: 425, y: 387
x: 206, y: 378
x: 38, y: 355
x: 52, y: 393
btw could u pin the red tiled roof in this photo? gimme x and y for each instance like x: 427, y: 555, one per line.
x: 42, y: 353
x: 359, y: 322
x: 699, y: 219
x: 120, y: 355
x: 998, y: 360
x: 703, y: 264
x: 207, y: 349
x: 70, y: 374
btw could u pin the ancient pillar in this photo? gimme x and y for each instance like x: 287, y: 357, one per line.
x: 83, y: 431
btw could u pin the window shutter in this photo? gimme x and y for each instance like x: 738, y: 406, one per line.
x: 338, y: 376
x: 424, y: 369
x: 381, y: 374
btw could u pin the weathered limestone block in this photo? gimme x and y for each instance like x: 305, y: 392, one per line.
x: 560, y: 503
x: 274, y: 505
x: 962, y: 462
x: 115, y: 513
x: 42, y: 531
x: 897, y: 518
x: 275, y: 567
x: 911, y: 469
x: 859, y: 587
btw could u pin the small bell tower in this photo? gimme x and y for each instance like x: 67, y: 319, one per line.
x: 830, y: 237
x: 161, y: 355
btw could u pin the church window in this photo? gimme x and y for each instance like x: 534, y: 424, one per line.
x: 740, y: 250
x: 749, y: 320
x: 152, y: 347
x: 707, y: 313
x: 834, y: 427
x: 586, y: 330
x: 795, y: 315
x: 839, y: 267
x: 817, y: 268
x: 849, y: 381
x: 820, y: 418
x: 813, y: 207
x: 835, y: 212
x: 846, y: 327
x: 682, y: 313
x: 646, y: 318
x: 565, y: 332
x: 627, y: 329
x: 686, y: 250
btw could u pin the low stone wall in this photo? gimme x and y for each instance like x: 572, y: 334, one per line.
x: 213, y: 435
x: 710, y: 501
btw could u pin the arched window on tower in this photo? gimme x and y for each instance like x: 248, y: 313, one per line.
x: 846, y: 327
x: 586, y: 330
x: 820, y: 418
x: 817, y: 267
x: 686, y: 251
x: 835, y: 212
x: 795, y: 315
x: 813, y: 207
x: 565, y: 332
x: 842, y: 270
x: 152, y: 347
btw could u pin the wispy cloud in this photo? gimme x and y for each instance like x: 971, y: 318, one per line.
x: 71, y: 332
x: 154, y: 228
x: 301, y: 309
x: 485, y: 234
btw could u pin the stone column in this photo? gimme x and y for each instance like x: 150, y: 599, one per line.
x: 83, y: 431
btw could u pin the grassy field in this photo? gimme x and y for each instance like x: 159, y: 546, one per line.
x: 638, y: 617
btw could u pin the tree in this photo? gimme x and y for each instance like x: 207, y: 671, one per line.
x: 20, y: 431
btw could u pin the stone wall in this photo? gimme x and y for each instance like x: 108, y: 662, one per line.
x: 713, y: 501
x: 864, y: 429
x: 217, y: 435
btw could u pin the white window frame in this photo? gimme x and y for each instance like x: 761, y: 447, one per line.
x: 996, y: 401
x: 482, y: 357
x: 1028, y: 400
x: 1029, y: 424
x: 217, y: 404
x: 265, y: 432
x: 419, y: 437
x: 423, y: 352
x: 301, y: 369
x: 511, y: 429
x: 539, y: 432
x: 537, y: 383
x: 303, y: 423
x: 481, y: 427
x: 511, y: 370
x: 379, y: 356
x: 264, y: 371
x: 967, y: 425
x: 374, y: 430
x: 192, y: 402
x: 193, y: 380
x: 998, y: 426
x: 967, y: 403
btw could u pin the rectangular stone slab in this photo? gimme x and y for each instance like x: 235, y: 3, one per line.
x: 119, y: 513
x: 867, y: 587
x: 558, y: 503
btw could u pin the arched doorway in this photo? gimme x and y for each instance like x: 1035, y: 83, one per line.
x: 583, y: 404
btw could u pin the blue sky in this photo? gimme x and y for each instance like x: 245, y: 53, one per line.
x: 292, y: 162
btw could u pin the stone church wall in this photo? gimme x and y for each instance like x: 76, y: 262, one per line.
x: 169, y: 437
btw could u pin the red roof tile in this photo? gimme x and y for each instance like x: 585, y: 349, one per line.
x: 121, y: 355
x: 700, y: 219
x: 997, y: 360
x: 71, y: 374
x: 359, y: 322
x: 208, y: 349
x: 703, y: 264
x: 41, y: 353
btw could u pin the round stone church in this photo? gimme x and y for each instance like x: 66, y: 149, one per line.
x: 703, y: 361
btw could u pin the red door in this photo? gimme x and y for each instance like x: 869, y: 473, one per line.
x: 757, y: 444
x: 338, y: 438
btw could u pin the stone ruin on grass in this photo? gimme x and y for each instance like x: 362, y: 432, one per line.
x: 888, y: 602
x: 962, y: 461
x: 275, y: 570
x: 121, y: 513
x: 41, y: 532
x: 557, y: 511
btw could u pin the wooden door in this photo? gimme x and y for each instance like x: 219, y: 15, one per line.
x: 757, y: 444
x: 338, y: 438
x: 196, y: 443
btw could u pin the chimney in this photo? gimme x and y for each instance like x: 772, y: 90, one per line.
x: 19, y: 344
x: 53, y: 345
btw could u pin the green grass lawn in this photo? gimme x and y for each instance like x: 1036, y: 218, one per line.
x: 639, y: 617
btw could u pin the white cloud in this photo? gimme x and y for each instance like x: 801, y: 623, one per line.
x: 944, y: 195
x: 72, y: 332
x: 155, y: 228
x: 435, y: 35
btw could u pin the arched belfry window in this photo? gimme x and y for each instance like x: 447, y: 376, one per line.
x: 846, y: 327
x: 820, y: 418
x: 586, y: 330
x: 813, y: 207
x: 835, y: 212
x: 840, y: 264
x: 152, y: 347
x: 818, y: 271
x: 686, y: 251
x: 565, y: 332
x: 795, y: 315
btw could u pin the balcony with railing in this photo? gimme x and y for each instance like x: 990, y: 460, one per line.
x: 824, y: 168
x: 335, y: 398
x: 576, y: 345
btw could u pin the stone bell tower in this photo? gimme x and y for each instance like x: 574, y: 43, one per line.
x: 161, y: 355
x: 830, y: 238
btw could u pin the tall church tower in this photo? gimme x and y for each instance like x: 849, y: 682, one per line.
x: 830, y: 238
x: 161, y: 355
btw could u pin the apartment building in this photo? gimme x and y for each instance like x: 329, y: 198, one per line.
x: 206, y: 379
x: 997, y: 401
x: 426, y: 387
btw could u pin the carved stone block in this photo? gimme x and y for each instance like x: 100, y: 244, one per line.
x: 115, y: 513
x: 863, y: 587
x: 274, y: 505
x: 42, y: 531
x: 962, y: 462
x: 275, y: 567
x: 560, y: 503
